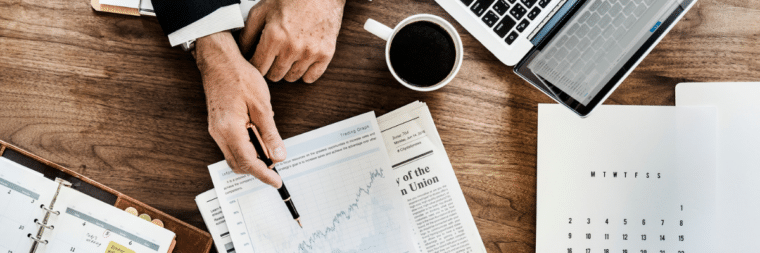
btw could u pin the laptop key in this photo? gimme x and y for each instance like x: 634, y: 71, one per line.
x: 480, y: 7
x: 534, y: 13
x: 511, y: 38
x: 604, y: 7
x: 628, y: 9
x: 503, y: 27
x: 616, y: 9
x: 517, y: 11
x: 595, y: 5
x: 543, y: 3
x: 524, y: 24
x: 467, y: 2
x: 500, y: 7
x: 512, y: 1
x: 490, y: 18
x: 528, y: 3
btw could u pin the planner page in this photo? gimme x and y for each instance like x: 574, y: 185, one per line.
x: 22, y: 191
x: 738, y: 164
x: 627, y: 179
x: 85, y: 224
x: 340, y: 180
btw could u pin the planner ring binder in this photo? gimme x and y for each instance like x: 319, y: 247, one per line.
x: 48, y: 211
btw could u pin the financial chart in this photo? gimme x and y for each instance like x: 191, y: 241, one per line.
x: 338, y: 205
x: 339, y: 178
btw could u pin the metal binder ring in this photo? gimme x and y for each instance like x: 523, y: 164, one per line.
x: 37, y: 240
x: 49, y: 210
x: 51, y: 227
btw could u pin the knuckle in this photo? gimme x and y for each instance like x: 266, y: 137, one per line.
x: 270, y: 136
x: 309, y: 51
x: 297, y: 48
x: 278, y: 36
x: 246, y: 167
x: 327, y: 54
x: 218, y: 128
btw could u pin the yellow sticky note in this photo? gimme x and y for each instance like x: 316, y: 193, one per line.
x: 114, y: 247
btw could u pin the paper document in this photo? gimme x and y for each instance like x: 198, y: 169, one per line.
x: 439, y: 214
x: 738, y: 149
x: 83, y: 223
x: 341, y: 182
x: 212, y: 215
x: 629, y: 179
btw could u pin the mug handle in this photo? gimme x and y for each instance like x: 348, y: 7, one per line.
x: 378, y: 29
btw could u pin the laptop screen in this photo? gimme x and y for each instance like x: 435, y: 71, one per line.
x: 592, y: 50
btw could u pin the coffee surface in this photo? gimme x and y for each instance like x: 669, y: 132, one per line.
x: 422, y: 54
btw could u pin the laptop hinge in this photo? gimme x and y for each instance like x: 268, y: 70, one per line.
x: 685, y: 4
x: 547, y: 18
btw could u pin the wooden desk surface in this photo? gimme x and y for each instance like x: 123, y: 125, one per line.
x: 105, y: 95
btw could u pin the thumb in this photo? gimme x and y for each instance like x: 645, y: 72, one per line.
x: 270, y: 137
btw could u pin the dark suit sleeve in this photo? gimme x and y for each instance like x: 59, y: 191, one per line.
x: 174, y: 15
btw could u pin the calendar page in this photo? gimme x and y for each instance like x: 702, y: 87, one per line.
x: 21, y: 205
x: 627, y: 179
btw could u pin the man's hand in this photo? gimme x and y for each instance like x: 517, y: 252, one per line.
x: 236, y: 94
x: 297, y: 37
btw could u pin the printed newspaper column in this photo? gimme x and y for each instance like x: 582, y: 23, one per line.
x: 425, y: 178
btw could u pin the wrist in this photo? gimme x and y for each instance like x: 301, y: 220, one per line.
x: 215, y: 50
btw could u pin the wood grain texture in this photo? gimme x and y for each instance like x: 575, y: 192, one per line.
x: 106, y: 96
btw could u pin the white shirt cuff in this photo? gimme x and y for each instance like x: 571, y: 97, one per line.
x: 225, y: 18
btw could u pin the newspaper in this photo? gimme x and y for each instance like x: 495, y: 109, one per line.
x: 435, y: 205
x: 426, y: 180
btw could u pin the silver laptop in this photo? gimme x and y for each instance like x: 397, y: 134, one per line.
x: 575, y: 51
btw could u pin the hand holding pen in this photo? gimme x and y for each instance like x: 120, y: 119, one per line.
x: 261, y: 150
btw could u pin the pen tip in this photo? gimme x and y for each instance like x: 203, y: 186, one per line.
x: 299, y: 223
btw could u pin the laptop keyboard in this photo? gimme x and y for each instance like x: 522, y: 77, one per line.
x: 593, y: 43
x: 507, y: 18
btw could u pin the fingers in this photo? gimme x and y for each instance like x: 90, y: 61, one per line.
x: 254, y: 25
x: 243, y: 154
x: 267, y: 50
x: 315, y: 71
x: 298, y: 69
x: 282, y: 65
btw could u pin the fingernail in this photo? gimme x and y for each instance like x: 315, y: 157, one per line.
x: 279, y: 153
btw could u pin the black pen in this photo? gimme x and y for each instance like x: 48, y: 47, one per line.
x: 264, y: 156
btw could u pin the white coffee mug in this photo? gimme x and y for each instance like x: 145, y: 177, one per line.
x: 386, y: 33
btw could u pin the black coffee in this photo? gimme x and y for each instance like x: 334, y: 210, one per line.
x: 422, y: 53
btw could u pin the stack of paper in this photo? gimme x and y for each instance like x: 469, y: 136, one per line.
x: 362, y: 184
x: 652, y: 178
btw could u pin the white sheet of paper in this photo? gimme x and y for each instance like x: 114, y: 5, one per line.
x: 211, y: 211
x: 738, y: 192
x: 340, y: 180
x: 635, y: 178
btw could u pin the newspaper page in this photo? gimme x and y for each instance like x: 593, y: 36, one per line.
x: 426, y: 181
